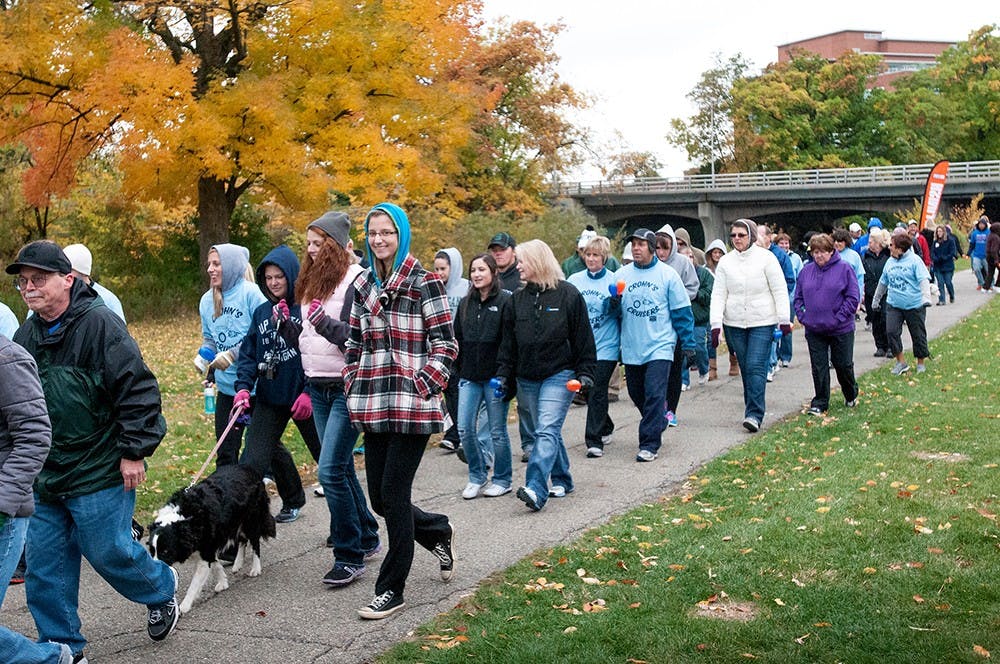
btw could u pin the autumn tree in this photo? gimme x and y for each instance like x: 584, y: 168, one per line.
x: 707, y: 136
x: 811, y: 113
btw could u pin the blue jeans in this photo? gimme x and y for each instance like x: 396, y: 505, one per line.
x: 525, y: 427
x: 979, y: 269
x: 752, y: 346
x: 647, y: 385
x: 16, y: 647
x: 700, y: 354
x: 943, y: 279
x: 547, y: 401
x: 97, y: 526
x: 352, y: 525
x: 470, y: 396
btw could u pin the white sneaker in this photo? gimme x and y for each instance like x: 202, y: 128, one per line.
x: 557, y: 491
x: 703, y: 379
x: 471, y: 490
x: 606, y: 440
x: 493, y: 490
x: 594, y: 452
x: 770, y: 376
x: 645, y: 455
x: 685, y: 387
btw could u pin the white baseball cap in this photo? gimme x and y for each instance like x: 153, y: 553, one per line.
x: 80, y: 258
x: 855, y: 227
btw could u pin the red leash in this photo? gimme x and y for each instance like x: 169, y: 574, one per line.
x: 234, y: 414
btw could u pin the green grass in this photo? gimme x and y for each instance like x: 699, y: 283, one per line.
x: 868, y: 536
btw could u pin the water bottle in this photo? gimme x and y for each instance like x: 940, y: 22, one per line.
x: 778, y: 334
x: 204, y: 358
x: 210, y: 399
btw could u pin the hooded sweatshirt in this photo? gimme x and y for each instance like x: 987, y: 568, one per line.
x: 993, y: 243
x: 827, y: 297
x: 271, y: 345
x: 457, y: 286
x: 715, y: 244
x: 977, y: 240
x: 402, y: 345
x: 684, y: 268
x: 699, y: 255
x: 240, y: 298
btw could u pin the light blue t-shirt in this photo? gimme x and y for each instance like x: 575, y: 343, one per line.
x: 853, y: 259
x: 651, y: 293
x: 227, y: 331
x: 111, y: 300
x: 903, y: 277
x: 8, y: 321
x: 594, y: 289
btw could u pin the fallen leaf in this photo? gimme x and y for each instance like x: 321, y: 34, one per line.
x: 918, y: 599
x: 643, y: 528
x: 870, y: 570
x: 595, y: 606
x: 822, y: 624
x: 777, y: 600
x: 802, y: 639
x: 981, y: 651
x: 635, y: 605
x: 569, y: 630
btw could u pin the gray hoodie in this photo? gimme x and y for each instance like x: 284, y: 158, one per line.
x: 681, y: 264
x: 457, y: 286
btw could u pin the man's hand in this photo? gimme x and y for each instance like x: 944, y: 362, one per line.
x: 222, y: 361
x: 690, y: 358
x: 586, y: 385
x: 242, y: 399
x: 133, y: 472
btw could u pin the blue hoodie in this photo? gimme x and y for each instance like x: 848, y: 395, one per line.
x: 265, y: 344
x: 402, y: 224
x: 239, y: 300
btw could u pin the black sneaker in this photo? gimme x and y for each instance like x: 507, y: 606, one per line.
x: 446, y: 554
x: 374, y: 551
x: 460, y: 453
x: 80, y: 658
x: 382, y: 606
x: 287, y: 515
x: 448, y: 445
x: 163, y: 618
x: 343, y: 573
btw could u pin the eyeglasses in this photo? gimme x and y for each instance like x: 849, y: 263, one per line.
x: 374, y: 235
x: 736, y: 235
x: 37, y: 280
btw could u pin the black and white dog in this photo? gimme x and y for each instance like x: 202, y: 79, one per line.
x: 229, y: 507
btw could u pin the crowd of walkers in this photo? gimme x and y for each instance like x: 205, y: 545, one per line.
x: 369, y: 346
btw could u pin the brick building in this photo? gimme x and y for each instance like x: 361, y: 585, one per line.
x: 900, y: 56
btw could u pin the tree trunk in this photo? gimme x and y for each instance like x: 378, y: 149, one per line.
x: 214, y: 212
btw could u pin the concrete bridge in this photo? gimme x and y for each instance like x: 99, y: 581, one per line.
x: 795, y: 201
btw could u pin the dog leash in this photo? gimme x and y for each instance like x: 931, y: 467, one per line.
x: 234, y: 414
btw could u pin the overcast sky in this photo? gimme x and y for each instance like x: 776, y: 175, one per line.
x: 639, y: 59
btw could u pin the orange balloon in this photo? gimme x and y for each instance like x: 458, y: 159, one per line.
x: 573, y: 385
x: 621, y: 286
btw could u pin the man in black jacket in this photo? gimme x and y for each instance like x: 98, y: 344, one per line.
x: 104, y: 406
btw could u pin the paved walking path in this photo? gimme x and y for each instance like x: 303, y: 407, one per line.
x: 288, y: 616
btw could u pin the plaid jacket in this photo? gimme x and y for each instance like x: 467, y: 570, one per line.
x: 400, y: 352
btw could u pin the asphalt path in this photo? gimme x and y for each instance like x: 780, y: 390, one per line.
x: 287, y: 615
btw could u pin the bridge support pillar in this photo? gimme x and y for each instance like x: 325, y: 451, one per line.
x: 711, y: 221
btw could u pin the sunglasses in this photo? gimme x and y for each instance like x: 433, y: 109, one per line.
x: 736, y: 235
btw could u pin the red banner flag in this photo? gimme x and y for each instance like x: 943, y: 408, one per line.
x: 933, y: 191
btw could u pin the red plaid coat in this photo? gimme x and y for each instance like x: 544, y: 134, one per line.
x: 400, y: 352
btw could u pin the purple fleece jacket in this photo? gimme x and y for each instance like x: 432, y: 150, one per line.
x: 827, y: 297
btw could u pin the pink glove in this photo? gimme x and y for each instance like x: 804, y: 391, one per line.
x: 302, y: 408
x: 315, y: 312
x: 242, y: 399
x: 280, y: 311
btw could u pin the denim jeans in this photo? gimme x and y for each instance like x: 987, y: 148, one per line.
x: 391, y: 462
x: 471, y: 395
x: 785, y: 348
x: 943, y: 279
x: 525, y: 427
x: 352, y: 525
x: 838, y: 350
x: 647, y: 384
x: 96, y: 526
x: 548, y: 401
x: 701, y: 354
x: 979, y: 269
x: 752, y: 346
x: 264, y: 450
x: 16, y: 647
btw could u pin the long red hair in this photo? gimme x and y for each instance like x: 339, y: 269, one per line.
x: 321, y: 276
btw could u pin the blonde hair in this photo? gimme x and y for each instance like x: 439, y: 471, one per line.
x: 545, y: 270
x: 599, y: 244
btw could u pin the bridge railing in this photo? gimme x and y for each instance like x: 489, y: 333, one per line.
x: 969, y: 170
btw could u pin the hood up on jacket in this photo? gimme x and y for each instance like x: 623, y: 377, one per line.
x: 667, y: 229
x: 716, y: 244
x: 456, y: 286
x: 402, y: 224
x: 235, y: 260
x: 285, y: 260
